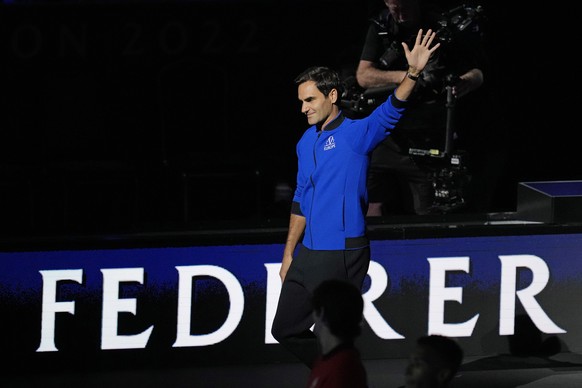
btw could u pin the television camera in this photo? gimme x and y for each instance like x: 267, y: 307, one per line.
x: 450, y: 174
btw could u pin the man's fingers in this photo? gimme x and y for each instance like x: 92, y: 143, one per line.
x: 431, y: 36
x: 419, y: 36
x: 426, y: 37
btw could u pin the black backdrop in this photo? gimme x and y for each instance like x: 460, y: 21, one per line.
x: 125, y: 115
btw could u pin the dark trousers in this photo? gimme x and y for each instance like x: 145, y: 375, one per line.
x: 293, y: 319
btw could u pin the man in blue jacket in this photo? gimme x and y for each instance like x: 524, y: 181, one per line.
x: 331, y: 199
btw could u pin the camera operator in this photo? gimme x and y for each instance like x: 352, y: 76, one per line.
x: 399, y: 183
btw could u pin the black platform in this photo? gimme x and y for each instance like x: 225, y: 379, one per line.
x: 550, y: 201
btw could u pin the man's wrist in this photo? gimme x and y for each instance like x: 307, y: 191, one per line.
x: 412, y: 76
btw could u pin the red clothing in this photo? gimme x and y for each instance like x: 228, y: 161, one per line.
x: 341, y: 368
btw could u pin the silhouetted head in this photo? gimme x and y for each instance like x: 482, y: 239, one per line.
x: 339, y: 305
x: 434, y: 362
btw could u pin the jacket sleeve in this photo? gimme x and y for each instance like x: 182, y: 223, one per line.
x: 295, y: 206
x: 379, y: 124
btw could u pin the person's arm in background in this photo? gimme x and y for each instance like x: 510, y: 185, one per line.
x: 369, y: 75
x: 468, y: 82
x: 296, y: 229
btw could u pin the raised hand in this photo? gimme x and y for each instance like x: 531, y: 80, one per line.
x: 419, y: 55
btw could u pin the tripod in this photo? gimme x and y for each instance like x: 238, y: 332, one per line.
x: 451, y: 179
x: 449, y: 173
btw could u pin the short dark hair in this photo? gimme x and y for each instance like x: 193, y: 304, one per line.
x: 342, y: 305
x: 325, y: 79
x: 449, y: 352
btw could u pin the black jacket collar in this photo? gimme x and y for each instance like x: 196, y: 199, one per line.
x: 334, y: 124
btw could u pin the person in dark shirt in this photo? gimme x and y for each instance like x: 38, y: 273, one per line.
x: 338, y: 310
x: 402, y: 167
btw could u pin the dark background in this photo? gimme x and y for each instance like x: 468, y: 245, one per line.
x: 125, y: 116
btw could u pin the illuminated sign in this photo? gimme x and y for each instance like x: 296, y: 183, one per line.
x: 94, y: 302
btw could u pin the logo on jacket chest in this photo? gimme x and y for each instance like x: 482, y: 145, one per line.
x: 329, y: 144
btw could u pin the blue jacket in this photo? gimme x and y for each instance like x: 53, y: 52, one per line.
x: 331, y: 188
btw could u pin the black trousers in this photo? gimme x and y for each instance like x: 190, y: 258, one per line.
x: 294, y: 316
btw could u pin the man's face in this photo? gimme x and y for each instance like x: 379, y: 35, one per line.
x: 314, y: 104
x: 423, y: 370
x: 403, y: 11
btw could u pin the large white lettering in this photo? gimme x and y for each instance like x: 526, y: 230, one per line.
x: 236, y: 295
x: 378, y: 284
x: 439, y: 293
x: 272, y: 299
x: 113, y: 305
x: 540, y: 277
x: 50, y: 306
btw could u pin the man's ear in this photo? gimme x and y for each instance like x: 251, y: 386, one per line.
x: 333, y: 95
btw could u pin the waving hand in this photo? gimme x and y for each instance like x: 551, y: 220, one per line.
x: 417, y: 59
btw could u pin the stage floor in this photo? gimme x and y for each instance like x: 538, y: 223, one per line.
x: 563, y: 370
